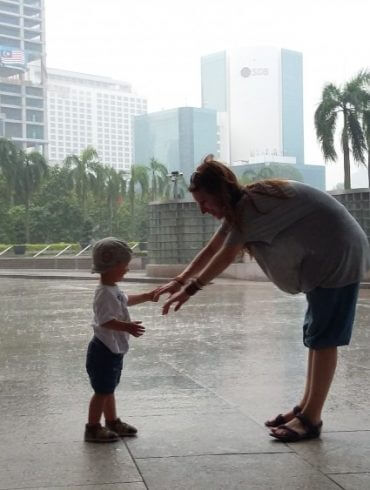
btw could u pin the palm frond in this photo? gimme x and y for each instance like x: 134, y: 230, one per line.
x: 356, y: 137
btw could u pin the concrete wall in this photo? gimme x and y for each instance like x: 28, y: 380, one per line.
x: 357, y: 201
x: 248, y: 270
x: 67, y: 263
x: 177, y: 231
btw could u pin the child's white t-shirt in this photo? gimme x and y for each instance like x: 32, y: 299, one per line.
x: 110, y: 303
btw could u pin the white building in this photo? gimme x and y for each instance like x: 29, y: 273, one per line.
x: 258, y: 94
x: 89, y: 110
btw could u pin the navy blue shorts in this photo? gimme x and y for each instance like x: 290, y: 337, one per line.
x: 329, y: 317
x: 103, y: 366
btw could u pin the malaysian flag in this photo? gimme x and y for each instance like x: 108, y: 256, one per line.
x: 11, y: 57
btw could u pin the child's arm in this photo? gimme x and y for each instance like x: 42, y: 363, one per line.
x: 133, y: 328
x: 135, y: 299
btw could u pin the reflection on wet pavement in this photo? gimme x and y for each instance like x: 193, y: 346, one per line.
x: 199, y: 385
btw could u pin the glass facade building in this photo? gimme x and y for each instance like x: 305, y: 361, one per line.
x: 22, y: 73
x: 179, y: 138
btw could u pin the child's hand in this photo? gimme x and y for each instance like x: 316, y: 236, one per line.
x: 135, y: 328
x: 152, y: 295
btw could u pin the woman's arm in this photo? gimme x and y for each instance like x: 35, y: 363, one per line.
x: 196, y: 265
x: 204, y: 256
x: 223, y: 258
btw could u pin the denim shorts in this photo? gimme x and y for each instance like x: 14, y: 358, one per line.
x: 329, y: 317
x: 103, y: 366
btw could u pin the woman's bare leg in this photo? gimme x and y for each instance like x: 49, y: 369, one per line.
x: 324, y: 363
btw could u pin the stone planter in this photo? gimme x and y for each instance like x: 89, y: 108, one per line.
x: 19, y: 249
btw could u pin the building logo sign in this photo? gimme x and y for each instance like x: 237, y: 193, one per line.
x: 246, y: 72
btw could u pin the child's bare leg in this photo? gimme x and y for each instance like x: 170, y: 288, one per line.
x: 96, y: 408
x: 110, y: 412
x: 324, y: 362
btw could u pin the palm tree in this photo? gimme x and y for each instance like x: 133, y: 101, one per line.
x: 83, y: 168
x: 158, y: 177
x: 366, y: 129
x: 275, y: 171
x: 115, y: 192
x: 32, y: 168
x: 251, y: 175
x: 139, y: 179
x: 8, y: 166
x: 347, y: 101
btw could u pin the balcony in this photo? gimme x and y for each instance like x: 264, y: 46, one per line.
x: 7, y: 20
x: 9, y: 8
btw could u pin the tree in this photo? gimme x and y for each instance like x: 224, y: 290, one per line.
x: 8, y: 166
x: 274, y: 171
x: 31, y: 169
x: 139, y: 180
x: 366, y: 129
x: 115, y: 192
x: 82, y: 168
x: 158, y: 178
x: 349, y: 102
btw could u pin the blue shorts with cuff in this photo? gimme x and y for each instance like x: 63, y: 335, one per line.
x: 103, y: 366
x: 329, y: 317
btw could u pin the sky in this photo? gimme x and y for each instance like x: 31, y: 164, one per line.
x: 156, y: 45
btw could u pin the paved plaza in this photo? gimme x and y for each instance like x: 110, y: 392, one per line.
x: 198, y: 386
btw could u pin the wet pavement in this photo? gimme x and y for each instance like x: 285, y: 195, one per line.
x: 198, y: 385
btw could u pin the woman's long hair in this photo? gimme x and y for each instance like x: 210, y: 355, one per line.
x: 217, y: 179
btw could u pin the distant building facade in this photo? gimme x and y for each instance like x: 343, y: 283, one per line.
x: 179, y: 138
x: 258, y: 95
x: 311, y: 174
x: 22, y: 74
x: 89, y: 110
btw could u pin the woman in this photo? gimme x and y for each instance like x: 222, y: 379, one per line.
x: 305, y: 241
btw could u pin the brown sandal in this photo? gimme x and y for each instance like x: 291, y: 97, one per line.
x: 280, y: 419
x: 312, y: 431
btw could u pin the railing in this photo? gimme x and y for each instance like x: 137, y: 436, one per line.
x: 41, y: 251
x: 4, y: 251
x: 83, y: 250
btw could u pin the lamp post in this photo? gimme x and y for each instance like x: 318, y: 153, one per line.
x: 174, y: 176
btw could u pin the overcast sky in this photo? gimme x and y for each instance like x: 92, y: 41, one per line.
x: 156, y: 45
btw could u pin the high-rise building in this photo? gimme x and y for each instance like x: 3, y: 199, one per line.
x: 22, y: 73
x: 89, y: 110
x: 258, y: 93
x: 178, y: 138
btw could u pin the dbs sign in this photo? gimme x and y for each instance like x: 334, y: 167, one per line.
x: 246, y: 72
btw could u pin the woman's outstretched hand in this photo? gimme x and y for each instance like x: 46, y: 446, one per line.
x: 171, y: 288
x: 179, y: 298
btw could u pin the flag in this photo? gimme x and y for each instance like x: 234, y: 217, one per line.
x: 11, y: 57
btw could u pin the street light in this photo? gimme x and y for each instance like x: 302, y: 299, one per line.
x: 174, y: 177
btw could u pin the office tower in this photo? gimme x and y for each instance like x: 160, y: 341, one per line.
x: 179, y: 138
x: 90, y: 110
x: 22, y: 73
x: 258, y: 93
